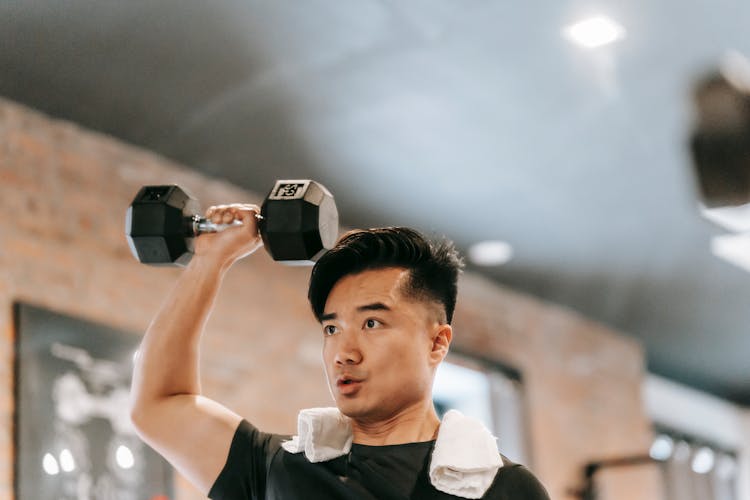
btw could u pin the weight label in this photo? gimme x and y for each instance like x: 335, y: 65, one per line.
x: 288, y: 190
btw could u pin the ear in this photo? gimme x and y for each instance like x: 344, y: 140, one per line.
x: 441, y: 341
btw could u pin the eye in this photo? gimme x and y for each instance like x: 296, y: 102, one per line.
x: 329, y: 330
x: 372, y: 323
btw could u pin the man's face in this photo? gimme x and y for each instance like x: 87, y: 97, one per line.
x: 379, y: 345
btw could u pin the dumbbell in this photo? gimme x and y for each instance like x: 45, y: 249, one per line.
x: 298, y: 222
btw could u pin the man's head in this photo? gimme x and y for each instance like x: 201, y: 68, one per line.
x: 433, y: 267
x: 385, y: 299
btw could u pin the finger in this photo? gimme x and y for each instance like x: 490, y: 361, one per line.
x: 246, y: 215
x: 217, y: 216
x: 250, y: 209
x: 227, y: 217
x: 213, y: 209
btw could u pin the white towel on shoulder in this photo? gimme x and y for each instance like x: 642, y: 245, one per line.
x: 465, y: 459
x: 322, y: 433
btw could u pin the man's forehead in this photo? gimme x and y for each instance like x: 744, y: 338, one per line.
x: 381, y: 289
x: 373, y: 285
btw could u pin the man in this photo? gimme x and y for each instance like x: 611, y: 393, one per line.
x: 385, y: 300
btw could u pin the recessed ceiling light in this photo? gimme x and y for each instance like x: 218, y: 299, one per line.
x: 594, y: 32
x: 490, y: 253
x: 734, y: 248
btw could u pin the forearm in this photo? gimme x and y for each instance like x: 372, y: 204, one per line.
x: 168, y: 358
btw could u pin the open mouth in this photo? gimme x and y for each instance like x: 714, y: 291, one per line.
x: 348, y: 383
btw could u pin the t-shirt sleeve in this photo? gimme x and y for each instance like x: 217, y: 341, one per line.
x: 516, y: 482
x: 244, y: 473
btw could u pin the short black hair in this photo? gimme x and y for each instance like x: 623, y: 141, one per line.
x: 433, y: 266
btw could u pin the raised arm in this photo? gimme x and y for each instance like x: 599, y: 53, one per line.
x: 191, y: 431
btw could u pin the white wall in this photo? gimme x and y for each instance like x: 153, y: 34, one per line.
x: 704, y: 416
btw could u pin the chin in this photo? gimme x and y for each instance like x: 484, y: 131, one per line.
x: 354, y: 409
x: 349, y: 408
x: 362, y: 412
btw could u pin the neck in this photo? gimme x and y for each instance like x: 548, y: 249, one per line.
x: 410, y: 425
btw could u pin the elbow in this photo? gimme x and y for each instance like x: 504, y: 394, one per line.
x: 137, y: 417
x: 148, y: 415
x: 140, y: 416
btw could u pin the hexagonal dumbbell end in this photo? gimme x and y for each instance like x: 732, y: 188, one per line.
x: 300, y: 221
x: 157, y: 225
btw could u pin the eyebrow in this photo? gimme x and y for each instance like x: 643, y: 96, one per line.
x: 375, y: 306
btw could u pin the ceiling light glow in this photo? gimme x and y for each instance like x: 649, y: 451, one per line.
x: 662, y: 448
x: 681, y: 452
x: 124, y: 457
x: 733, y: 248
x: 490, y: 253
x: 594, y: 32
x: 736, y: 68
x: 703, y: 461
x: 50, y: 465
x: 733, y: 218
x: 67, y: 462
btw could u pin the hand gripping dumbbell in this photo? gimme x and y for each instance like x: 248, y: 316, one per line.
x: 298, y: 222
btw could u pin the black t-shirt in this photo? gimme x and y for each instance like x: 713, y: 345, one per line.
x: 258, y: 468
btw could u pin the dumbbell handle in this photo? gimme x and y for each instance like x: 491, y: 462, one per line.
x: 200, y: 225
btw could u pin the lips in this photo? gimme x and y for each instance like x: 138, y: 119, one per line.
x: 347, y: 385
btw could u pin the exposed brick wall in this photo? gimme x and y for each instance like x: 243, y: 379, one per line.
x: 582, y: 382
x: 63, y: 193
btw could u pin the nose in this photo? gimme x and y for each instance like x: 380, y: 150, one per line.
x: 348, y: 351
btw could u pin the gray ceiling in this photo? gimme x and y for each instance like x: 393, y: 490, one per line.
x: 472, y: 119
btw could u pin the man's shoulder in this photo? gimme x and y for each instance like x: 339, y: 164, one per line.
x: 248, y: 435
x: 515, y: 481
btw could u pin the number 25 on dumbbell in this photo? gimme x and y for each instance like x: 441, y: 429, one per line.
x: 298, y: 223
